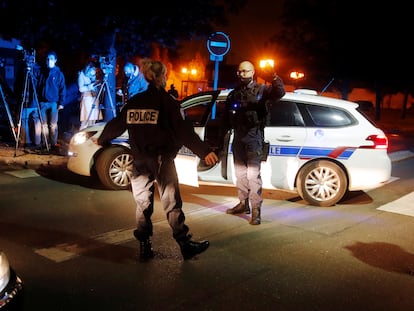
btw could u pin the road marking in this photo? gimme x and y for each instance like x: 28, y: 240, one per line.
x: 24, y: 173
x: 66, y: 251
x: 403, y: 205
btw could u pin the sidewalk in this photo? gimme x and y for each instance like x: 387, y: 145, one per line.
x: 22, y: 157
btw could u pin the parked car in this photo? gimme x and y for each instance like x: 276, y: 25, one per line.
x: 320, y: 147
x: 11, y: 286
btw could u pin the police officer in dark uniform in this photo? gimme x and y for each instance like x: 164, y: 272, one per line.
x: 247, y: 108
x: 156, y: 133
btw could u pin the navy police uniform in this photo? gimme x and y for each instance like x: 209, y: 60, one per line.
x: 247, y: 109
x: 156, y: 133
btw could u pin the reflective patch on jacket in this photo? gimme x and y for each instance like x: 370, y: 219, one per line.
x: 142, y: 116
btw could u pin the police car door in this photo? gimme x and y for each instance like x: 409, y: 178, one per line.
x: 286, y: 133
x: 196, y: 108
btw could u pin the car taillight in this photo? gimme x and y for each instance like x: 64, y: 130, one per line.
x: 380, y: 142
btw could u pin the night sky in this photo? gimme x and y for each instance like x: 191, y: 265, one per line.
x: 248, y: 33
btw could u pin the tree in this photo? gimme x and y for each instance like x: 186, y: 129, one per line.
x: 113, y: 30
x: 356, y: 43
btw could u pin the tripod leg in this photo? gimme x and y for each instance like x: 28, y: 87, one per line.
x: 25, y: 99
x: 95, y: 101
x: 29, y: 82
x: 43, y: 123
x: 6, y: 106
x: 108, y: 93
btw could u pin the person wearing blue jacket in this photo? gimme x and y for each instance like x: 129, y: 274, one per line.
x: 51, y: 92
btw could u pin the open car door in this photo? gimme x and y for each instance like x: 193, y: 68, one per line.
x: 196, y: 108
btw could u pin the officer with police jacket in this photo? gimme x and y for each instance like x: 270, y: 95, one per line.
x: 247, y: 113
x: 156, y: 132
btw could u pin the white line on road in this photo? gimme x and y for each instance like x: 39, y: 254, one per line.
x: 66, y: 251
x: 403, y: 205
x: 25, y: 173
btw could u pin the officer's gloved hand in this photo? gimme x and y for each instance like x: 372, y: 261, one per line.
x: 267, y: 73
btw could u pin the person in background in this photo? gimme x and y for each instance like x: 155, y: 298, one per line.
x: 156, y: 132
x: 51, y: 92
x: 133, y: 82
x: 247, y: 113
x: 89, y: 103
x: 173, y: 91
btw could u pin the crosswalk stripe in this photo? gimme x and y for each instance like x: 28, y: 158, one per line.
x: 66, y: 251
x: 24, y: 173
x: 403, y: 205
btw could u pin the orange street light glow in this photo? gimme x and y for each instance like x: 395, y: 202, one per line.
x: 266, y: 62
x: 297, y: 75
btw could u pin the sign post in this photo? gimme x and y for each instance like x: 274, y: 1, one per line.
x: 218, y: 44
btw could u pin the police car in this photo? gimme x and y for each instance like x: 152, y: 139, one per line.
x: 320, y: 147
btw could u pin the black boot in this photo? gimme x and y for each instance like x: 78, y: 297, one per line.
x: 145, y: 246
x: 146, y: 251
x: 241, y: 208
x: 190, y: 248
x: 255, y: 220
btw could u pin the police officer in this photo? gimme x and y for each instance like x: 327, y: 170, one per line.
x: 156, y: 133
x: 247, y: 108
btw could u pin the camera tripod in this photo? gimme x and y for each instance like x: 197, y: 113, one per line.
x: 104, y: 87
x: 6, y: 106
x: 29, y: 85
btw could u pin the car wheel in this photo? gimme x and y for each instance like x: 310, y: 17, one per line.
x: 322, y: 183
x: 114, y: 168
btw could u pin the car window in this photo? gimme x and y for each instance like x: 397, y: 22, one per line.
x: 285, y: 113
x: 197, y: 107
x: 196, y: 114
x: 323, y: 116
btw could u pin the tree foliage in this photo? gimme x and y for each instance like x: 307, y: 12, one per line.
x: 352, y: 41
x: 96, y: 27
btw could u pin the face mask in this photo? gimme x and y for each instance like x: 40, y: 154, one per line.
x: 245, y: 81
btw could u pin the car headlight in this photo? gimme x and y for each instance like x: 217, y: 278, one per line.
x: 82, y: 137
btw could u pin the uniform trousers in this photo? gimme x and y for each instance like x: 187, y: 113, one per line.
x: 247, y: 154
x: 143, y: 187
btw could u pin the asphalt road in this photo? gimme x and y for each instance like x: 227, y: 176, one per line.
x: 71, y: 243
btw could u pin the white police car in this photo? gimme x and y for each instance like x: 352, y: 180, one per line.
x: 320, y: 147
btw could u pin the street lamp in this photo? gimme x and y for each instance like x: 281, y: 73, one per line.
x: 296, y: 76
x: 188, y: 72
x: 266, y: 63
